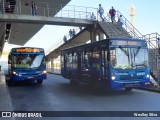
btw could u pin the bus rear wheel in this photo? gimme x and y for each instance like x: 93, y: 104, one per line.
x: 39, y: 81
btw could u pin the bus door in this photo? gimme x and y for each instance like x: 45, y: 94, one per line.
x: 63, y: 63
x: 104, y: 63
x: 105, y: 68
x: 79, y: 63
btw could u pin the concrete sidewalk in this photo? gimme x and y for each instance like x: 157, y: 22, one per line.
x: 5, y: 100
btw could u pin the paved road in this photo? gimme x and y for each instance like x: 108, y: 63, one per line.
x: 55, y: 94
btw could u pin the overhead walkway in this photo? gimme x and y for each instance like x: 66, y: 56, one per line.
x: 99, y: 29
x: 23, y: 25
x: 18, y: 33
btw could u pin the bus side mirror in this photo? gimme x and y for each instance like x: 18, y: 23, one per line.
x: 9, y: 61
x: 108, y: 56
x: 46, y: 59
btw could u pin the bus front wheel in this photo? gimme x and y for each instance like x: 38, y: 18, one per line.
x: 128, y: 89
x: 39, y: 81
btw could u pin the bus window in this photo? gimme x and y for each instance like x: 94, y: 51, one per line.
x: 129, y: 58
x: 28, y: 60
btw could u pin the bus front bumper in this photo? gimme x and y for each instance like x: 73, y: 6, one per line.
x: 28, y: 77
x: 130, y: 84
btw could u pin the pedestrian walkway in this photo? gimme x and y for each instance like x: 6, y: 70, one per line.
x: 5, y: 101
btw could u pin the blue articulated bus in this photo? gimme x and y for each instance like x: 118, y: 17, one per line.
x: 111, y: 63
x: 26, y: 64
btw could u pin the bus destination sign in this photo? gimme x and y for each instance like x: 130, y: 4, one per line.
x: 27, y: 50
x: 122, y: 42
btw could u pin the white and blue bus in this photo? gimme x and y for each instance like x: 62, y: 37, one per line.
x: 26, y: 64
x: 111, y: 63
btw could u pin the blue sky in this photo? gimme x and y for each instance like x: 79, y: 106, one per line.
x: 146, y: 19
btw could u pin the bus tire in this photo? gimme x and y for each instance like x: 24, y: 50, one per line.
x: 8, y: 82
x: 128, y: 89
x: 73, y: 82
x: 39, y: 81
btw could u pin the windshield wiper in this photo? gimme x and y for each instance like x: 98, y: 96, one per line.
x: 137, y: 51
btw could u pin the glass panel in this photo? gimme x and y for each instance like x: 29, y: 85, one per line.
x: 129, y: 58
x: 28, y: 60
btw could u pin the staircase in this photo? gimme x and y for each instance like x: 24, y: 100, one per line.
x: 129, y: 31
x: 154, y: 56
x: 112, y: 30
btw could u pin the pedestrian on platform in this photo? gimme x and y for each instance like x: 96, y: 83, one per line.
x: 101, y: 12
x: 110, y: 13
x: 70, y: 33
x: 64, y: 39
x: 34, y: 8
x: 73, y: 32
x: 113, y: 15
x: 80, y: 28
x: 120, y: 22
x: 93, y: 17
x: 8, y: 7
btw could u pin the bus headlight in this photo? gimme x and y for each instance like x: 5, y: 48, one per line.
x: 44, y: 72
x: 113, y: 77
x: 147, y: 75
x: 14, y: 72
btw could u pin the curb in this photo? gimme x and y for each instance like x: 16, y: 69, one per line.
x: 151, y: 89
x: 5, y: 101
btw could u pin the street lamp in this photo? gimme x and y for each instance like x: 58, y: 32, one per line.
x: 132, y: 14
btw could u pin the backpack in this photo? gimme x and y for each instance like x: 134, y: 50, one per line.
x: 113, y: 12
x: 110, y: 12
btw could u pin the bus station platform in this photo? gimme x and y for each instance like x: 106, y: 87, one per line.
x: 5, y: 101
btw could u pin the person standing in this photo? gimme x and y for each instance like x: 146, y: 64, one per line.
x: 8, y: 7
x: 34, y: 8
x: 73, y: 32
x: 93, y: 17
x: 65, y: 38
x: 101, y: 12
x: 70, y: 33
x: 120, y: 22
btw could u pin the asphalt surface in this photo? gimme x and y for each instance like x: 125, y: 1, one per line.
x: 56, y: 94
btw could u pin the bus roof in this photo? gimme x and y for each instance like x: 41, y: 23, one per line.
x: 105, y: 41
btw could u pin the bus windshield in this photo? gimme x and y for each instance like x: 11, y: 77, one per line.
x: 129, y: 58
x: 28, y: 60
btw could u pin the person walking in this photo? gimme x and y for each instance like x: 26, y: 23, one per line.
x: 113, y: 14
x: 101, y: 12
x: 120, y: 22
x: 110, y: 13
